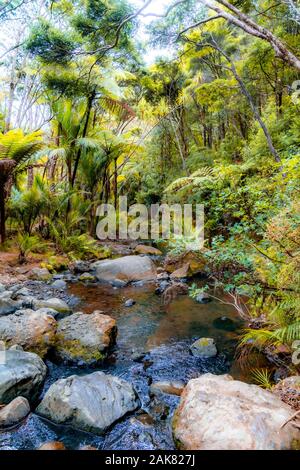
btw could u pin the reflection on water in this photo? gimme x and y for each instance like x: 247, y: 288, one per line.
x: 158, y: 338
x: 149, y: 324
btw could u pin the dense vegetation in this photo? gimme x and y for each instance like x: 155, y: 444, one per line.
x: 84, y: 120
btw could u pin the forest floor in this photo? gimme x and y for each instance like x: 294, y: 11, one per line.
x: 10, y: 269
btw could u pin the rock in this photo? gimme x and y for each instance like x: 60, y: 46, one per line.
x: 194, y: 259
x: 173, y: 291
x: 56, y: 304
x: 289, y: 391
x: 7, y: 304
x: 160, y: 270
x: 129, y: 303
x: 34, y: 331
x: 118, y: 283
x: 204, y: 348
x: 40, y: 274
x: 203, y: 298
x: 164, y: 276
x: 87, y: 448
x: 22, y: 374
x: 181, y: 272
x: 59, y: 284
x: 91, y: 402
x: 16, y: 347
x: 163, y: 285
x: 21, y: 293
x: 83, y: 338
x: 219, y: 413
x: 128, y: 268
x: 147, y: 250
x: 50, y: 311
x: 11, y: 415
x: 2, y: 288
x: 169, y: 387
x: 80, y: 267
x: 52, y: 445
x: 87, y: 277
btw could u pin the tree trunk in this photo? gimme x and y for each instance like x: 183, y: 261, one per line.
x: 242, y: 21
x: 2, y: 212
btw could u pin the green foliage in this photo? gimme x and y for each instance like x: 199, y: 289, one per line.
x: 262, y: 377
x: 28, y: 244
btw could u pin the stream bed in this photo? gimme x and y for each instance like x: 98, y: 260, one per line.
x: 152, y: 345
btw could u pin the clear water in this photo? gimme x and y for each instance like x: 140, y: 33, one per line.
x: 153, y: 344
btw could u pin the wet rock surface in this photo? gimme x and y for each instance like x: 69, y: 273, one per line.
x: 34, y: 331
x: 13, y: 413
x: 22, y: 374
x: 85, y: 339
x: 128, y: 268
x: 91, y: 402
x: 219, y: 413
x: 152, y: 348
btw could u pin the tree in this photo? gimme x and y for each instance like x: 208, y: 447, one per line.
x: 16, y: 150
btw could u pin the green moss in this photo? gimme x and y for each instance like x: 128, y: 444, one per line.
x: 75, y: 351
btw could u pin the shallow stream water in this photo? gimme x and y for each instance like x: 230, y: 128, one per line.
x: 152, y: 345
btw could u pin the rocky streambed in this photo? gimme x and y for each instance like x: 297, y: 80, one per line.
x: 109, y: 362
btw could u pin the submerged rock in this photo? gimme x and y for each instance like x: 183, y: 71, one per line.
x: 91, y: 402
x: 34, y: 331
x: 203, y: 298
x: 128, y: 269
x: 11, y: 415
x: 83, y: 338
x: 219, y: 413
x: 21, y: 374
x: 204, y: 347
x: 129, y: 303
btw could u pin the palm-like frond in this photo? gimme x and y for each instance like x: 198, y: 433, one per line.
x: 17, y: 146
x: 195, y: 179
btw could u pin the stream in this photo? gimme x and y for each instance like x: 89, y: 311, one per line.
x: 152, y: 345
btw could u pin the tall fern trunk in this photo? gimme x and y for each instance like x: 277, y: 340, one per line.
x: 6, y: 167
x: 2, y: 212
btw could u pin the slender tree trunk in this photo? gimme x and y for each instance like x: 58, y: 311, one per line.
x: 84, y: 133
x: 2, y: 212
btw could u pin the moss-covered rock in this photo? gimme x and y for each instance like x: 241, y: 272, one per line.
x: 85, y: 338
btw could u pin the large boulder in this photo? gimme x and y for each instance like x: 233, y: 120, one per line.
x: 22, y: 373
x: 90, y: 402
x: 34, y: 331
x: 11, y: 415
x: 128, y: 268
x: 7, y: 304
x: 83, y: 338
x: 219, y: 413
